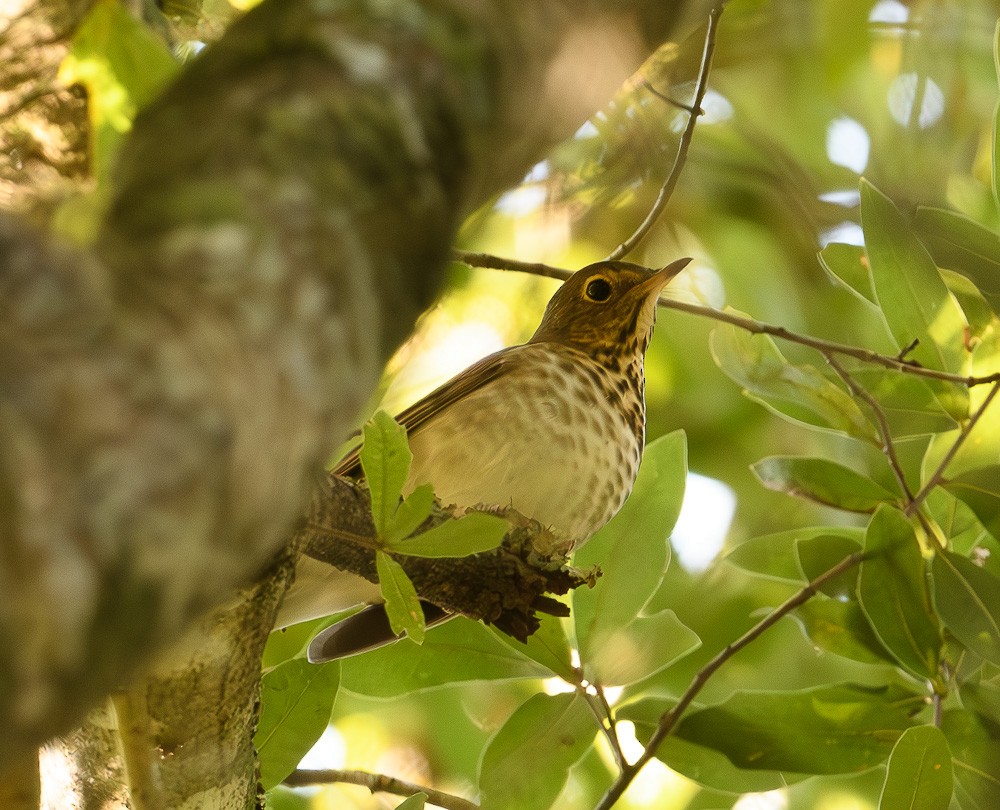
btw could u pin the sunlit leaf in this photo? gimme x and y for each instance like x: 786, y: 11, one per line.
x: 471, y: 534
x: 841, y: 628
x: 797, y: 392
x: 962, y: 244
x: 412, y: 511
x: 456, y: 651
x: 909, y: 403
x: 776, y: 555
x: 967, y: 598
x: 632, y: 549
x: 646, y: 645
x: 548, y: 645
x: 829, y: 729
x: 980, y: 490
x: 919, y: 772
x: 528, y: 760
x: 296, y: 700
x: 123, y: 66
x: 385, y: 459
x: 415, y: 802
x: 893, y: 591
x: 821, y: 480
x: 402, y: 605
x: 848, y: 265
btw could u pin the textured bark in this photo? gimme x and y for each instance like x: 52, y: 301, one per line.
x: 280, y: 217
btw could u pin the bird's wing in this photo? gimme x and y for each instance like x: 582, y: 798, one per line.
x: 413, y: 418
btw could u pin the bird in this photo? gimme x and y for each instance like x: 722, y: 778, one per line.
x: 553, y: 427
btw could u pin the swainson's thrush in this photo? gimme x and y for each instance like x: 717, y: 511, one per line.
x: 553, y: 427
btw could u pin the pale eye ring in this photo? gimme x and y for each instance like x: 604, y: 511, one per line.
x: 598, y: 289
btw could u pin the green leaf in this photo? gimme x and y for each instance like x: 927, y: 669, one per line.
x: 777, y: 555
x: 825, y: 730
x: 456, y: 651
x: 841, y: 628
x: 962, y: 244
x: 471, y: 534
x: 893, y: 592
x: 910, y: 404
x: 980, y: 490
x: 995, y: 175
x: 412, y: 512
x: 819, y: 554
x: 527, y: 761
x: 798, y: 393
x: 648, y: 644
x: 385, y: 459
x: 975, y: 757
x: 848, y: 266
x: 633, y: 548
x: 548, y: 645
x: 919, y: 772
x: 414, y: 802
x: 402, y: 605
x: 296, y: 699
x: 123, y: 67
x: 968, y: 600
x: 822, y: 481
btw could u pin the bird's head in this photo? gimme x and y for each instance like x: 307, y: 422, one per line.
x: 607, y: 309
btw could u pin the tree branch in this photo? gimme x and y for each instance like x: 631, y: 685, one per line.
x: 378, y: 783
x: 751, y: 325
x: 669, y: 719
x: 680, y: 157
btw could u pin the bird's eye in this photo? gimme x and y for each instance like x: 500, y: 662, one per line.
x: 599, y: 289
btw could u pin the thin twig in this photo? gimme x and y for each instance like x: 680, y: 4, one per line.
x: 669, y: 719
x: 755, y: 327
x: 885, y: 433
x: 605, y: 719
x: 683, y: 145
x: 377, y: 783
x: 938, y: 473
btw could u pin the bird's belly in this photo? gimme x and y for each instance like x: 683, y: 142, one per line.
x: 568, y: 464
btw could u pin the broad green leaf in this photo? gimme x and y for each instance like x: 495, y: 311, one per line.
x: 962, y: 244
x: 821, y: 480
x: 412, y: 512
x: 825, y: 730
x: 893, y: 591
x: 975, y: 758
x: 848, y: 265
x: 456, y: 651
x: 819, y: 554
x: 798, y: 393
x: 296, y: 699
x: 967, y: 598
x: 632, y: 549
x: 911, y: 293
x: 402, y: 605
x: 646, y: 645
x: 123, y: 67
x: 919, y: 772
x: 471, y: 534
x: 527, y: 762
x: 983, y: 698
x: 548, y: 645
x: 414, y: 802
x: 980, y: 490
x: 385, y: 459
x: 909, y: 403
x: 776, y: 555
x: 841, y: 628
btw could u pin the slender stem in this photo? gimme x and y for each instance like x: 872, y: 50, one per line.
x: 377, y: 783
x: 669, y: 719
x: 938, y: 473
x: 825, y: 347
x: 885, y: 433
x: 680, y: 157
x: 605, y: 719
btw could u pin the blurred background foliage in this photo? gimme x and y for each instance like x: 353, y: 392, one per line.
x: 805, y: 98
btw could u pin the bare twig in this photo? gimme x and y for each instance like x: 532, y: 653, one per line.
x: 378, y: 783
x: 938, y: 473
x: 669, y: 719
x: 684, y: 144
x: 605, y: 719
x: 825, y: 347
x: 885, y: 433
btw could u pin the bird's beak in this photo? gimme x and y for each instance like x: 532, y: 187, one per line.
x: 660, y: 279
